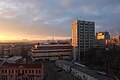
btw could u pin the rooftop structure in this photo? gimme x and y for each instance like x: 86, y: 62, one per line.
x: 14, y: 59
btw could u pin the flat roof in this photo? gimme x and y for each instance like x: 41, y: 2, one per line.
x: 14, y: 65
x: 51, y: 47
x: 92, y: 73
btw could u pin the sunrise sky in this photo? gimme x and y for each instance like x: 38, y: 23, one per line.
x: 44, y: 19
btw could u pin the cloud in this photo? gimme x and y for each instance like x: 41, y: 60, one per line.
x: 54, y: 17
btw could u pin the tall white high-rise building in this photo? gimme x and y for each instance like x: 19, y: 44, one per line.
x: 83, y: 37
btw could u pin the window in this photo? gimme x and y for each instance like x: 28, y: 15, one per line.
x: 86, y: 43
x: 18, y: 71
x: 81, y: 37
x: 2, y: 71
x: 15, y: 71
x: 32, y: 71
x: 39, y: 71
x: 25, y: 71
x: 29, y: 71
x: 12, y: 71
x: 81, y: 46
x: 5, y: 71
x: 36, y: 71
x: 9, y: 71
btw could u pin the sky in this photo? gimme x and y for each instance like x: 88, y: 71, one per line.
x: 45, y: 19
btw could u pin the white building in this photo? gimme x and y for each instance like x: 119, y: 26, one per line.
x: 51, y: 52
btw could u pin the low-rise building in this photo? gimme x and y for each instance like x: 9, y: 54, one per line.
x: 12, y: 71
x: 51, y: 52
x: 83, y: 72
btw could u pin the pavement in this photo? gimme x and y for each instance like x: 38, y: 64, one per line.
x: 52, y: 72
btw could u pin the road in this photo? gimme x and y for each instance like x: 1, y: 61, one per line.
x: 51, y: 72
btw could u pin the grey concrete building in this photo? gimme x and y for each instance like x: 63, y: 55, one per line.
x: 83, y: 37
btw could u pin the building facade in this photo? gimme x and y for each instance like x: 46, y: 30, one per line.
x: 10, y: 71
x: 102, y: 39
x: 51, y: 52
x: 83, y: 36
x: 115, y: 38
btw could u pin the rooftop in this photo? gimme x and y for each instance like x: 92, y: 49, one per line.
x: 14, y: 58
x: 93, y: 73
x: 13, y: 65
x: 47, y: 47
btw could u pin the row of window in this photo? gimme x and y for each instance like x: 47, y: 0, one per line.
x: 5, y: 77
x: 86, y: 46
x: 82, y: 34
x: 86, y: 36
x: 82, y: 41
x: 20, y: 71
x: 90, y: 24
x: 86, y: 27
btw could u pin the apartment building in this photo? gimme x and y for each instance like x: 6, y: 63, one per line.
x: 83, y: 37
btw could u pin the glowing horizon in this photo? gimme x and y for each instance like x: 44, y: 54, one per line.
x: 16, y: 38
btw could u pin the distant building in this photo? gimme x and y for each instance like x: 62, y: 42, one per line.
x: 11, y: 71
x: 115, y: 40
x: 1, y: 50
x: 83, y: 36
x: 10, y: 49
x: 51, y: 52
x: 102, y: 39
x: 16, y: 50
x: 6, y: 52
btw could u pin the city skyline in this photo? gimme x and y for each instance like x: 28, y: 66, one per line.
x: 44, y: 19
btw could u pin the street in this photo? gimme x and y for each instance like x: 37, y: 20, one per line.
x: 52, y: 72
